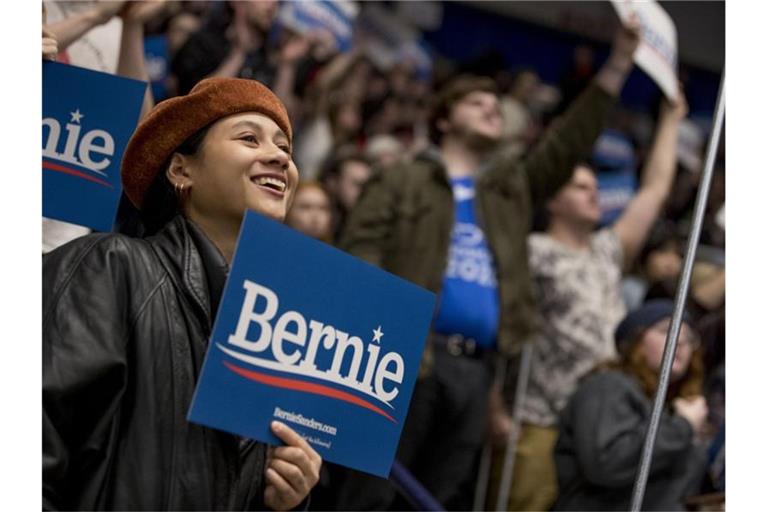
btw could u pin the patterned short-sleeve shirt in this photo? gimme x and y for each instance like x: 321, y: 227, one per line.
x: 580, y: 304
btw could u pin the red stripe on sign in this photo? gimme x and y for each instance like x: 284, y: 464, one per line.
x: 66, y: 170
x: 306, y: 387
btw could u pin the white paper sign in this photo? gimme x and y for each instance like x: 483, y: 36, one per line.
x: 657, y: 52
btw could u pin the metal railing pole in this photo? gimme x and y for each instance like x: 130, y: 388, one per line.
x: 484, y: 471
x: 514, y: 434
x: 412, y: 490
x: 638, y: 492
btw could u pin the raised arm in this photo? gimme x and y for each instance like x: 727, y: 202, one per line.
x: 131, y: 62
x: 658, y: 174
x: 331, y: 75
x: 615, y: 71
x: 570, y: 138
x: 292, y: 51
x: 73, y: 28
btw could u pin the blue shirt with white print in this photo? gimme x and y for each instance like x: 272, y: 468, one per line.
x: 469, y: 301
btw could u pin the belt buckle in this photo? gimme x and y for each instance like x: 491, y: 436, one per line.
x: 470, y: 346
x: 453, y: 345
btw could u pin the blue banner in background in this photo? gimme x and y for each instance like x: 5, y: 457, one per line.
x: 616, y: 190
x: 157, y: 61
x: 335, y: 16
x: 317, y: 339
x: 614, y: 151
x: 88, y: 118
x: 614, y: 160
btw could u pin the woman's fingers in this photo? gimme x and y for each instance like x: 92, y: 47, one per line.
x: 279, y: 495
x: 292, y: 438
x: 297, y: 458
x: 292, y: 470
x: 293, y: 475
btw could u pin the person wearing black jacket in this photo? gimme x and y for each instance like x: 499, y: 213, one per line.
x: 602, y: 430
x: 126, y: 321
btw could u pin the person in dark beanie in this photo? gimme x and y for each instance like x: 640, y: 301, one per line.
x: 455, y: 221
x: 126, y: 321
x: 602, y: 429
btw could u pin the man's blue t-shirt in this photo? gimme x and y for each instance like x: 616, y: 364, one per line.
x: 469, y: 301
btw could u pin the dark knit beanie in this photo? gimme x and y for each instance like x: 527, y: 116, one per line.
x: 644, y: 317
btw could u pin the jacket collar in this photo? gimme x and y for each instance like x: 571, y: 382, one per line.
x: 215, y: 266
x: 193, y: 263
x: 433, y: 157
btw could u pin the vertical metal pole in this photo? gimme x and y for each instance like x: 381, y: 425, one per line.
x: 514, y: 434
x: 481, y: 488
x: 682, y: 293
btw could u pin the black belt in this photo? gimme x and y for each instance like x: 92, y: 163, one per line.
x: 458, y: 345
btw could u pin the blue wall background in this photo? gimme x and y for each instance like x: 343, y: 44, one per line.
x: 468, y: 32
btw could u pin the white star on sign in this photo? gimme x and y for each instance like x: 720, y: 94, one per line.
x: 76, y: 116
x: 377, y: 334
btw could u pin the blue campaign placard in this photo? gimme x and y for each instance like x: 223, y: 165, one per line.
x: 88, y: 118
x: 158, y: 63
x: 317, y: 339
x: 335, y: 16
x: 615, y: 190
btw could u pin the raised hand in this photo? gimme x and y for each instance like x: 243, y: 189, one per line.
x: 626, y: 41
x: 614, y: 72
x: 694, y: 410
x: 50, y: 45
x: 104, y: 11
x: 142, y: 11
x: 674, y: 110
x: 295, y: 48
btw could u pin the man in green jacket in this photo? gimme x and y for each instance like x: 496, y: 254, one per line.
x: 455, y: 221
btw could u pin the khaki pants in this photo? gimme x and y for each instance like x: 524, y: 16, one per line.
x: 534, y: 478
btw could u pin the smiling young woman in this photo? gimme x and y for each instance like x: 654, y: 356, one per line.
x: 126, y: 321
x: 243, y: 162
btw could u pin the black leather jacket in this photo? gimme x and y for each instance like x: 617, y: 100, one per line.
x: 126, y: 323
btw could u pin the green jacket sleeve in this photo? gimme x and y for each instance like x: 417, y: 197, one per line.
x: 569, y: 139
x: 370, y: 224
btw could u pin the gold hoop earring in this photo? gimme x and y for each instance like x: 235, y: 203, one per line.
x: 179, y: 189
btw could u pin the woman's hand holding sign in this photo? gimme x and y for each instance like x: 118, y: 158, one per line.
x: 292, y: 471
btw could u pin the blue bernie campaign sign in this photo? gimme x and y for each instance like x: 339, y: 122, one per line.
x: 615, y: 190
x: 614, y: 160
x: 317, y: 339
x: 335, y: 16
x: 158, y: 64
x: 613, y: 150
x: 88, y: 118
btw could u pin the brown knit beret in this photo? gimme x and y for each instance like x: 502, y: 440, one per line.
x: 174, y: 120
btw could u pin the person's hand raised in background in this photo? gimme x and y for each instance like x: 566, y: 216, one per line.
x: 694, y: 410
x: 50, y: 45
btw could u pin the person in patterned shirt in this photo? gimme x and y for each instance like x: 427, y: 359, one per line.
x: 577, y: 272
